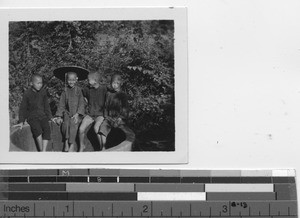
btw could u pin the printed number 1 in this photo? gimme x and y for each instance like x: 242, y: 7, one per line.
x: 67, y: 208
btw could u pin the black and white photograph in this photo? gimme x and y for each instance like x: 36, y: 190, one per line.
x: 96, y: 85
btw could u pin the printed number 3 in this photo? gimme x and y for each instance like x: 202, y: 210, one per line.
x: 225, y: 209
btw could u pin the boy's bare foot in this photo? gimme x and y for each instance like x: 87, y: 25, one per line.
x: 45, y: 144
x: 44, y: 149
x: 102, y: 141
x: 39, y: 142
x: 71, y: 148
x: 66, y: 147
x: 82, y: 147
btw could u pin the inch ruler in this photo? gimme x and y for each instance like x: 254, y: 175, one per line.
x: 149, y: 209
x: 147, y: 193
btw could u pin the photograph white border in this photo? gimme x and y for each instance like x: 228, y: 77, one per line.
x: 179, y: 156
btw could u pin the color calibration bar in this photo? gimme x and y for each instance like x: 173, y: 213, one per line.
x: 141, y: 185
x: 150, y: 193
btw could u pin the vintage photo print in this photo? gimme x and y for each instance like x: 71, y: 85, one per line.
x: 95, y: 85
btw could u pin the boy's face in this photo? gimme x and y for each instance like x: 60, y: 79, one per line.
x: 72, y: 79
x: 37, y: 83
x: 93, y: 82
x: 116, y: 85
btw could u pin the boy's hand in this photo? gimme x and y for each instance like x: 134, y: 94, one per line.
x: 57, y: 120
x: 119, y: 121
x: 20, y: 125
x: 76, y: 118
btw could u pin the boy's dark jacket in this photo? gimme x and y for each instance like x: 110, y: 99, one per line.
x: 34, y: 105
x: 96, y: 100
x: 116, y: 104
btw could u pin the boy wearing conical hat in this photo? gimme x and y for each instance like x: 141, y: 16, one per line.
x: 70, y: 111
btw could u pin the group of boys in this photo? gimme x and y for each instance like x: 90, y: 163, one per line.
x: 105, y: 107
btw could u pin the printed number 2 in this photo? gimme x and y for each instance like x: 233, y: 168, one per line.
x: 145, y: 209
x: 225, y: 209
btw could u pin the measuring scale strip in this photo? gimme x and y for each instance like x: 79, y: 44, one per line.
x: 148, y: 209
x: 147, y: 193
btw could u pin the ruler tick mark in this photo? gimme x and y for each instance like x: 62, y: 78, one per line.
x: 151, y: 208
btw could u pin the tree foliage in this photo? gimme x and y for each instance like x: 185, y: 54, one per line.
x: 141, y: 51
